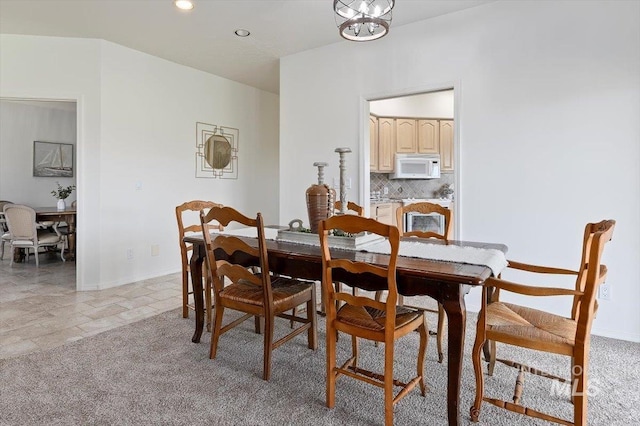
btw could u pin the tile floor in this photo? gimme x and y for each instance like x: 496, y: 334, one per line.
x: 41, y: 309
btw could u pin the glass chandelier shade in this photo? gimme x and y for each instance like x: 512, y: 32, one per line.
x: 363, y: 20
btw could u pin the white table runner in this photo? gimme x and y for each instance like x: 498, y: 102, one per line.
x: 491, y: 258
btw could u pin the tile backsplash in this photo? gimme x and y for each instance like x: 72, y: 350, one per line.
x: 409, y: 188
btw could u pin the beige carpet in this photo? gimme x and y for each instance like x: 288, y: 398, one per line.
x: 149, y: 373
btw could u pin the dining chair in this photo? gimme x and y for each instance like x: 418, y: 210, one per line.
x: 5, y: 237
x: 364, y: 317
x: 358, y: 210
x: 538, y: 330
x: 255, y: 292
x: 190, y: 210
x: 351, y: 206
x: 427, y: 208
x: 21, y: 221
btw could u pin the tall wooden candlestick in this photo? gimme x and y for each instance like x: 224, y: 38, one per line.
x: 343, y: 184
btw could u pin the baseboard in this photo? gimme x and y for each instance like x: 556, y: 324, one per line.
x: 128, y: 280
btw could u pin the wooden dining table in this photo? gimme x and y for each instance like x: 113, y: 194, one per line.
x: 446, y: 282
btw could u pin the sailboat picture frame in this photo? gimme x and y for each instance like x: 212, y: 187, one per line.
x: 52, y: 159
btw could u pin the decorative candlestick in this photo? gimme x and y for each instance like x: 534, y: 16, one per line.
x: 343, y: 168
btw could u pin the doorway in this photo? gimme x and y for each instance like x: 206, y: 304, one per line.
x: 410, y: 124
x: 27, y: 127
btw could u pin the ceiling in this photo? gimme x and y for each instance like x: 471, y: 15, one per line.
x: 204, y: 38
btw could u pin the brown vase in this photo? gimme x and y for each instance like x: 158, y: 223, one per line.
x: 320, y: 199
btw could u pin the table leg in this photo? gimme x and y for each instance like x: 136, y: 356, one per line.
x: 456, y: 311
x: 196, y: 281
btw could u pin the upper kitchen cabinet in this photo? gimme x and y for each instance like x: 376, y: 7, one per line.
x: 386, y: 144
x: 446, y: 145
x: 406, y: 136
x: 428, y: 136
x: 373, y: 143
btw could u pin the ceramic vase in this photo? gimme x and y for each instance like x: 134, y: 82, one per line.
x: 61, y: 204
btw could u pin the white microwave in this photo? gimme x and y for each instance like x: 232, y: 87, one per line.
x: 416, y: 166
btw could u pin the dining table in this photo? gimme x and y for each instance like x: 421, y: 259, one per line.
x: 446, y: 282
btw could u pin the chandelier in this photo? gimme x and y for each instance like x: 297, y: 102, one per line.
x: 363, y: 20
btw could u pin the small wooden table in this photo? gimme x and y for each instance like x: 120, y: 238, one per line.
x: 445, y: 282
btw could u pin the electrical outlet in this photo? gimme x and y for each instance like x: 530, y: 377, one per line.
x: 155, y: 250
x: 129, y: 254
x: 605, y: 292
x: 386, y: 190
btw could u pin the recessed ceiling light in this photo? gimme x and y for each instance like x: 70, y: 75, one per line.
x: 183, y: 4
x: 242, y: 33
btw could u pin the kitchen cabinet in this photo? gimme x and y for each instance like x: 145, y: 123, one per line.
x: 382, y: 212
x: 428, y: 133
x: 446, y: 146
x: 373, y: 143
x: 406, y: 136
x: 386, y: 144
x: 391, y: 135
x: 385, y: 212
x: 417, y: 136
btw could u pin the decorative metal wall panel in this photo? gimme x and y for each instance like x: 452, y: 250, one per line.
x: 217, y: 151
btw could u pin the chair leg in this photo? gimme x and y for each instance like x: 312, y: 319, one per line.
x: 312, y: 334
x: 207, y: 301
x: 2, y: 250
x: 388, y: 383
x: 217, y: 325
x: 62, y: 252
x: 331, y: 364
x: 35, y: 254
x: 440, y: 337
x: 492, y: 357
x: 268, y: 345
x: 579, y: 388
x: 354, y: 350
x: 476, y: 354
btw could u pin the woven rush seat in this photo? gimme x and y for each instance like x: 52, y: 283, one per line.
x: 284, y: 290
x: 373, y: 319
x: 531, y: 325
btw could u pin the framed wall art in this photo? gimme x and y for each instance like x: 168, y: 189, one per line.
x: 51, y: 159
x: 217, y: 151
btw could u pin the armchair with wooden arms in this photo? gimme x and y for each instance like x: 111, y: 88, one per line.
x: 366, y: 318
x: 182, y: 211
x: 542, y: 331
x: 259, y: 294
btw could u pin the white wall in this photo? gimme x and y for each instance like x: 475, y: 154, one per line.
x: 428, y: 105
x: 22, y: 123
x: 137, y: 118
x: 547, y: 103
